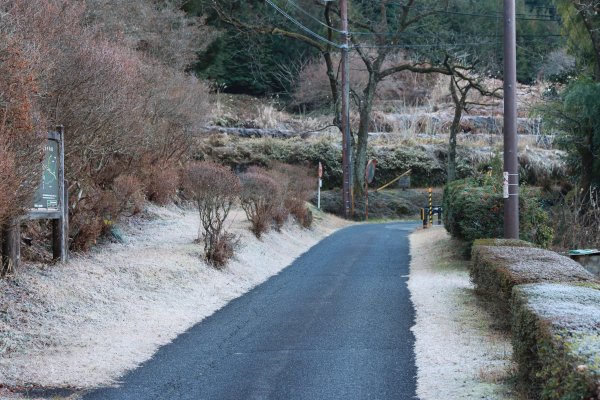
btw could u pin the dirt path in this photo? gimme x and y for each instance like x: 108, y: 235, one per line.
x: 459, y: 355
x: 85, y: 323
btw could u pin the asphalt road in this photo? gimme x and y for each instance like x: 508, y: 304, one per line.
x: 333, y: 325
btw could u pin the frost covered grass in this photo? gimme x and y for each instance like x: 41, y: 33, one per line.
x: 495, y: 270
x: 459, y: 355
x: 85, y: 323
x: 556, y: 330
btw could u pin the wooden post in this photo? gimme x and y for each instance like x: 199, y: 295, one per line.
x: 366, y: 201
x: 11, y: 249
x: 60, y: 227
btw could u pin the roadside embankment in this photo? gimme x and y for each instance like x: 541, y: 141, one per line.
x: 458, y: 353
x: 85, y: 323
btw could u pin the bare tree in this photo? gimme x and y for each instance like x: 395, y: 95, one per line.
x: 377, y: 39
x: 214, y: 189
x: 158, y: 29
x: 461, y: 84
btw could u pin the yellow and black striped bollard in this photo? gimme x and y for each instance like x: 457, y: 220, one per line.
x: 430, y: 206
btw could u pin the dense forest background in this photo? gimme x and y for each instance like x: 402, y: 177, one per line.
x: 245, y: 62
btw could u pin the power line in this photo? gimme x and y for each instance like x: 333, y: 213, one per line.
x: 303, y: 11
x: 527, y: 17
x: 301, y: 26
x: 399, y: 46
x: 478, y: 15
x: 430, y: 45
x: 497, y: 16
x: 435, y: 45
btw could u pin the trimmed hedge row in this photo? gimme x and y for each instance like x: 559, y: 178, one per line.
x: 496, y: 270
x: 553, y: 306
x: 556, y: 340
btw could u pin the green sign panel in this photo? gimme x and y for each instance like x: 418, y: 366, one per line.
x: 47, y: 193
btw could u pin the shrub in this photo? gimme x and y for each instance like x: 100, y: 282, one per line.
x: 20, y: 143
x: 129, y: 193
x: 556, y: 341
x: 475, y: 210
x: 96, y: 212
x: 296, y: 187
x: 214, y: 188
x: 259, y: 198
x: 575, y: 219
x: 280, y: 213
x: 495, y: 270
x: 299, y: 190
x: 119, y: 88
x: 162, y: 184
x: 223, y: 250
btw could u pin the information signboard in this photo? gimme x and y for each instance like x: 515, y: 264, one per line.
x: 47, y: 195
x: 50, y: 202
x: 51, y: 199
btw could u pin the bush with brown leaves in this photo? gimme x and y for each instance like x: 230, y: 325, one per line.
x: 260, y: 199
x: 214, y: 188
x: 161, y: 184
x: 300, y: 188
x: 120, y: 88
x: 20, y: 139
x: 129, y: 193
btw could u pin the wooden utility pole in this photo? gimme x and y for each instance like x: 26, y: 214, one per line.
x: 346, y: 156
x: 511, y: 163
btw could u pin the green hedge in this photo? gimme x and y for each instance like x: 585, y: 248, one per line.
x: 474, y: 209
x: 496, y: 270
x: 556, y: 340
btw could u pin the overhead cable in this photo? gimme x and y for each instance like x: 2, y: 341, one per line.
x: 301, y: 26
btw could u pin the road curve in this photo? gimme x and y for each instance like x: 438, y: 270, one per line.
x: 333, y: 325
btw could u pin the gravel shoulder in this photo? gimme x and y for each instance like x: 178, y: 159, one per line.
x: 459, y: 354
x: 86, y: 323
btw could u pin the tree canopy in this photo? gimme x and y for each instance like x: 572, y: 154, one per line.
x: 245, y: 61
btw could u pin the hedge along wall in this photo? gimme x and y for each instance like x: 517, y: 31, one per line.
x: 474, y: 209
x: 556, y: 340
x: 496, y: 270
x: 427, y: 169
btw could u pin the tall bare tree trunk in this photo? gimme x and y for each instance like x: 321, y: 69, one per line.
x: 360, y: 158
x: 459, y: 98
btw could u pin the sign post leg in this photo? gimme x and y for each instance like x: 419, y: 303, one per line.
x: 11, y: 249
x: 60, y: 233
x: 319, y: 195
x: 60, y: 227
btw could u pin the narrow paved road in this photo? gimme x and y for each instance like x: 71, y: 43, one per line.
x: 333, y: 325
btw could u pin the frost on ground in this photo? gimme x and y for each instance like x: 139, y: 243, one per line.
x: 85, y: 323
x: 458, y: 354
